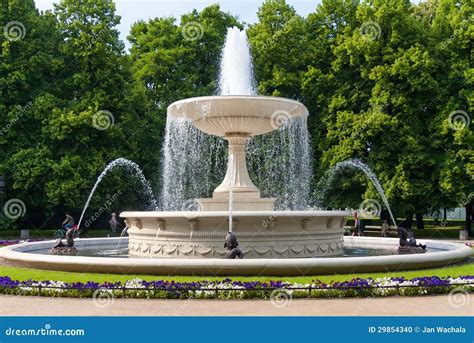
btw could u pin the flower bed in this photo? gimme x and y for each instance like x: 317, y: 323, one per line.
x: 228, y: 289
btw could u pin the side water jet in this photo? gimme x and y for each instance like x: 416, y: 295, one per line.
x: 329, y: 178
x: 129, y: 165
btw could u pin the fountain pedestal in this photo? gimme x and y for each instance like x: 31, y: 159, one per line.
x: 245, y: 195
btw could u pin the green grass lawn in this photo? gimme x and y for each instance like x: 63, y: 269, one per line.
x: 35, y: 274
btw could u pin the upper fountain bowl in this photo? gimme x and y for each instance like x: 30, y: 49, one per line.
x: 227, y: 115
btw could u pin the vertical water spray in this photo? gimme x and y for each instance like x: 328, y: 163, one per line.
x: 236, y: 70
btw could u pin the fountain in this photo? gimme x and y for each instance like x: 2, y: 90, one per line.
x: 237, y: 115
x: 274, y: 239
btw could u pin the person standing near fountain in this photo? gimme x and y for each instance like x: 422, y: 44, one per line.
x: 231, y: 244
x: 113, y: 222
x: 359, y: 228
x: 385, y: 228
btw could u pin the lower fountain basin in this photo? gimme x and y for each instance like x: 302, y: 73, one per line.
x: 261, y: 234
x: 35, y: 255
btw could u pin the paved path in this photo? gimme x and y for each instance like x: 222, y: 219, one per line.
x: 390, y: 306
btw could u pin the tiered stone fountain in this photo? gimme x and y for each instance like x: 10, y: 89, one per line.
x: 191, y: 242
x: 262, y: 231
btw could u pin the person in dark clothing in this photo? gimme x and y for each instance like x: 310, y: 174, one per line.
x: 68, y: 222
x: 231, y: 244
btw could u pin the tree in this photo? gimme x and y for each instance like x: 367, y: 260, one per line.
x: 452, y: 126
x: 173, y: 61
x: 29, y: 61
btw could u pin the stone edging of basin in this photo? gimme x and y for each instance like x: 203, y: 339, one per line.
x: 20, y: 255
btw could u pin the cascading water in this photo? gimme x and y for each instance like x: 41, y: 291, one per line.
x: 280, y: 164
x: 194, y: 163
x: 330, y: 176
x: 130, y: 166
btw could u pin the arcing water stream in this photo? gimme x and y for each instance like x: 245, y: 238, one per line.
x: 132, y: 167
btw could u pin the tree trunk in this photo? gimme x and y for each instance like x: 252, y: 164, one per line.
x: 419, y: 221
x: 469, y: 218
x: 444, y: 214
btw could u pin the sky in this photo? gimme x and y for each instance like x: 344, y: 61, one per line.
x: 134, y: 10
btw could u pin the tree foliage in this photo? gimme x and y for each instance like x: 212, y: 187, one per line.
x: 386, y: 81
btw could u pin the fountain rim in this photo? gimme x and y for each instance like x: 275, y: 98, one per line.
x: 218, y: 214
x: 19, y: 255
x: 238, y: 97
